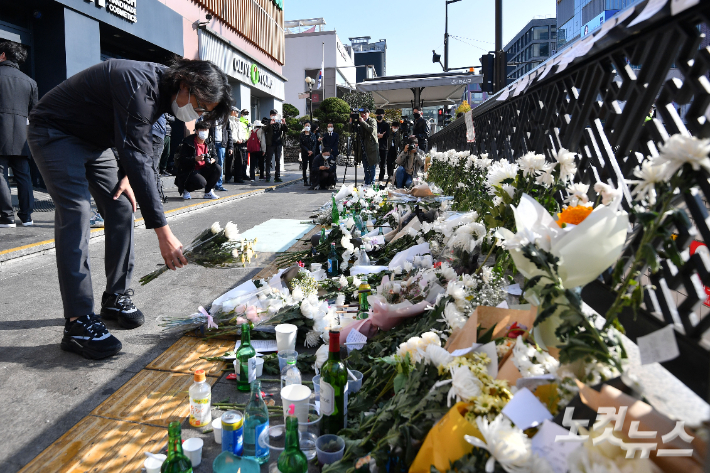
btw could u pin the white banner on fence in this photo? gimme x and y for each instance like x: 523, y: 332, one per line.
x: 470, y: 132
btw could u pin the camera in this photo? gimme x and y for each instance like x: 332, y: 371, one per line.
x: 354, y: 114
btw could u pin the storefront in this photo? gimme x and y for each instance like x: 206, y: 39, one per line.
x: 254, y: 86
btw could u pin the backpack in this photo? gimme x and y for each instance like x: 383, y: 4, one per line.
x: 253, y: 143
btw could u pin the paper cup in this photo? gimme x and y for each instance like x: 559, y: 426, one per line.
x: 217, y: 430
x: 298, y: 395
x: 316, y: 267
x: 193, y: 449
x: 259, y: 367
x: 286, y: 337
x: 152, y: 465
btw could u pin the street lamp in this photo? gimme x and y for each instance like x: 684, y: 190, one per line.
x: 446, y: 36
x: 309, y: 82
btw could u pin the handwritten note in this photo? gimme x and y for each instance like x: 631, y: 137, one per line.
x: 355, y: 340
x: 525, y: 410
x: 658, y: 346
x: 556, y: 453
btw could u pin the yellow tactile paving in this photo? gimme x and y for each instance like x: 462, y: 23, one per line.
x: 150, y: 397
x: 184, y: 356
x: 102, y: 445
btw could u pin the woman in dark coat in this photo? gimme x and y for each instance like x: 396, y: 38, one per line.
x: 197, y: 166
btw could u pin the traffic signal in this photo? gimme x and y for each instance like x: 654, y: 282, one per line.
x: 440, y: 120
x: 488, y: 71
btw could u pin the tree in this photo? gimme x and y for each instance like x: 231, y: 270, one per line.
x: 393, y: 115
x: 463, y: 108
x: 359, y: 100
x: 333, y: 110
x: 290, y: 111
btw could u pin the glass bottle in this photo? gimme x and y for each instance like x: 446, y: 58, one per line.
x: 322, y: 236
x: 292, y: 459
x: 363, y: 259
x: 244, y: 353
x: 332, y: 262
x: 290, y: 374
x: 200, y: 400
x: 363, y: 291
x: 335, y: 215
x: 333, y: 383
x: 256, y: 421
x: 177, y: 462
x: 380, y: 231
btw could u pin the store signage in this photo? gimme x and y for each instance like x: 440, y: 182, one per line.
x: 597, y: 22
x: 251, y: 71
x: 126, y: 9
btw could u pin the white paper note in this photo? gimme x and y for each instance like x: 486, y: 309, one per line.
x: 556, y: 453
x: 658, y: 346
x: 262, y: 346
x: 525, y: 410
x: 355, y: 340
x: 514, y: 289
x: 502, y: 305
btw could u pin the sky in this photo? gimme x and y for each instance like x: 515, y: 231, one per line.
x: 413, y: 28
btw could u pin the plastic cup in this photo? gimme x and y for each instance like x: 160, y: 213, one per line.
x: 193, y: 449
x: 329, y: 448
x: 347, y: 319
x: 259, y: 367
x: 274, y: 438
x: 286, y: 337
x: 316, y: 267
x: 217, y: 429
x: 354, y: 385
x: 298, y: 395
x: 316, y: 387
x: 152, y: 465
x: 285, y: 357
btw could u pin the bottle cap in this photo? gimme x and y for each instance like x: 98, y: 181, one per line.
x: 200, y: 376
x: 291, y: 409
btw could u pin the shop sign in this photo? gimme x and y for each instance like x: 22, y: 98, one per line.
x: 126, y: 9
x: 251, y: 71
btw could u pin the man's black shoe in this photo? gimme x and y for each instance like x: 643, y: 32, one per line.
x: 8, y: 222
x: 239, y: 182
x: 90, y: 338
x: 305, y: 182
x: 312, y: 188
x: 278, y: 179
x: 120, y: 306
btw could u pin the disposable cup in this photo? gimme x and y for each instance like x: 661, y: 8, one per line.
x: 193, y: 449
x: 274, y: 438
x: 298, y: 395
x: 286, y: 337
x: 354, y: 385
x: 285, y: 356
x: 330, y: 448
x: 316, y: 267
x: 347, y: 319
x: 316, y: 387
x: 152, y: 465
x: 313, y: 423
x: 217, y: 429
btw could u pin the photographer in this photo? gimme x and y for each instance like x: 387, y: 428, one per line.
x: 382, y: 133
x: 394, y: 145
x: 197, y: 166
x: 323, y: 171
x: 307, y: 142
x: 368, y: 146
x: 421, y: 129
x: 410, y: 160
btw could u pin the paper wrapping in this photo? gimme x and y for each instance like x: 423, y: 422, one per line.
x: 383, y: 316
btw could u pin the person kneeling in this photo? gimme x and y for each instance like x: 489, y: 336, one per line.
x: 197, y: 164
x: 410, y: 160
x: 323, y: 171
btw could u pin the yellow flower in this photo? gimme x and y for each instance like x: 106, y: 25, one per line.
x: 573, y: 215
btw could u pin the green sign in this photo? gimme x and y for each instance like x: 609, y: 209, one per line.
x: 254, y: 74
x: 279, y: 4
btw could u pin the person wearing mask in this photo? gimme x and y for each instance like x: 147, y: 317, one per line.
x: 420, y: 130
x: 394, y: 145
x: 256, y: 145
x: 198, y: 163
x: 18, y: 95
x: 229, y: 155
x: 410, y: 160
x: 323, y: 171
x: 165, y: 156
x: 382, y: 133
x: 241, y: 147
x: 368, y: 147
x: 71, y: 133
x: 221, y: 139
x: 330, y: 140
x: 307, y: 142
x: 275, y: 133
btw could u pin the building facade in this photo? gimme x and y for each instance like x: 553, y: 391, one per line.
x: 368, y: 57
x: 531, y: 46
x: 305, y: 52
x: 578, y: 18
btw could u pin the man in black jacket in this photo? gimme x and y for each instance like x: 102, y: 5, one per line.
x: 18, y: 94
x: 420, y: 130
x: 307, y: 142
x: 330, y: 140
x: 323, y: 171
x: 382, y: 133
x: 71, y: 133
x: 275, y: 132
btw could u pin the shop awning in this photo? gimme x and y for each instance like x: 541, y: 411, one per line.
x: 427, y: 90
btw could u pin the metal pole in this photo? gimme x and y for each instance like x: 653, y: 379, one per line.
x: 446, y: 40
x: 500, y: 68
x: 310, y: 97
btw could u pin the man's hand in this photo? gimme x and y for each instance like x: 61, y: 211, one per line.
x: 199, y: 158
x: 324, y: 168
x: 230, y: 151
x: 320, y: 138
x: 283, y: 121
x: 310, y: 153
x: 124, y: 187
x: 170, y: 248
x: 362, y: 120
x: 380, y: 135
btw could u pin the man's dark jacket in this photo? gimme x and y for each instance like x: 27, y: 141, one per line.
x: 331, y: 141
x: 307, y: 143
x: 18, y: 95
x: 421, y: 129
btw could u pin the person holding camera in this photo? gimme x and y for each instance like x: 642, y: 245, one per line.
x: 308, y: 144
x: 368, y: 147
x: 330, y: 140
x: 410, y: 160
x: 323, y: 170
x: 197, y: 166
x: 421, y: 129
x: 394, y: 145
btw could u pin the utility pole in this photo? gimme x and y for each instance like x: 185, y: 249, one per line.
x: 446, y: 36
x: 501, y: 68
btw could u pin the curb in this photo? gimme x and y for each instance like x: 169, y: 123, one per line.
x: 47, y: 246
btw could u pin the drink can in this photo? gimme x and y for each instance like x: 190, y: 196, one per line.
x: 233, y: 432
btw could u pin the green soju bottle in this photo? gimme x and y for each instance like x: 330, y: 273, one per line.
x: 256, y: 421
x: 332, y: 262
x: 333, y: 383
x: 292, y: 459
x: 363, y: 291
x: 322, y: 236
x: 334, y: 211
x: 244, y: 353
x: 177, y: 462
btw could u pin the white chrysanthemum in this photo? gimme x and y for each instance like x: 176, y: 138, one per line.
x: 453, y: 317
x: 343, y: 281
x: 509, y: 189
x: 568, y: 167
x: 607, y: 192
x: 347, y: 244
x: 430, y: 338
x: 499, y: 172
x: 231, y: 231
x: 649, y: 174
x: 297, y: 294
x: 577, y: 194
x: 356, y: 281
x: 487, y: 274
x: 448, y: 272
x: 465, y: 386
x: 456, y: 290
x: 438, y: 356
x: 680, y: 149
x: 397, y: 270
x: 546, y: 179
x: 531, y: 164
x: 215, y: 228
x: 235, y: 253
x: 312, y: 339
x: 340, y: 300
x: 408, y: 266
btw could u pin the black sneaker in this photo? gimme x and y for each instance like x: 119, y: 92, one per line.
x: 7, y: 222
x: 90, y: 338
x: 278, y: 179
x: 120, y: 306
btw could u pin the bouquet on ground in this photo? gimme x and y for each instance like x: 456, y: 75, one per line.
x: 215, y: 247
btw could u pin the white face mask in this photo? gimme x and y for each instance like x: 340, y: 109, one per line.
x: 203, y: 134
x: 306, y: 128
x: 273, y: 117
x: 395, y: 130
x: 330, y: 129
x: 185, y: 113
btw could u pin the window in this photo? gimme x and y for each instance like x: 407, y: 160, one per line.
x: 540, y: 32
x: 544, y: 49
x: 477, y: 96
x: 553, y: 33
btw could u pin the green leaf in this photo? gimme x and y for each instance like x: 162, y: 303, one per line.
x: 487, y: 336
x: 545, y: 314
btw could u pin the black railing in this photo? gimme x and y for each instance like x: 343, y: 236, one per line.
x: 593, y: 98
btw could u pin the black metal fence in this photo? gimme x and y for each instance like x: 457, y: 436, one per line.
x: 593, y: 98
